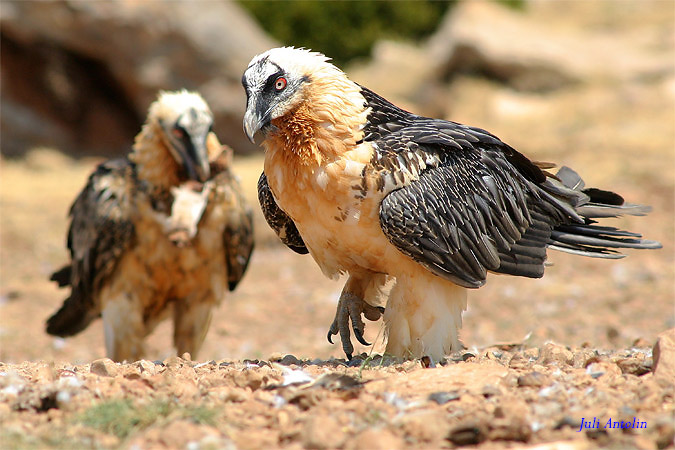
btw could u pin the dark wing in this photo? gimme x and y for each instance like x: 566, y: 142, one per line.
x: 101, y: 230
x: 477, y: 205
x: 278, y: 220
x: 238, y: 232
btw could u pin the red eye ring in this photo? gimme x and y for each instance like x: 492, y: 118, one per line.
x: 280, y: 84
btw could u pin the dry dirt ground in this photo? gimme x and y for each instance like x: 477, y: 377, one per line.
x: 542, y: 355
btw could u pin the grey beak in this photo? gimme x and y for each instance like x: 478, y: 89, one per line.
x: 195, y: 159
x: 201, y: 163
x: 251, y: 125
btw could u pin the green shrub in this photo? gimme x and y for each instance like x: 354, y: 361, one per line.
x: 345, y: 30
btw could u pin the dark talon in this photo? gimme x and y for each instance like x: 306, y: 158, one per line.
x: 380, y: 308
x: 330, y: 337
x: 359, y: 337
x: 349, y: 356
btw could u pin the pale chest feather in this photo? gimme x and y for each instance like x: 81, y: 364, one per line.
x: 168, y: 269
x: 335, y: 207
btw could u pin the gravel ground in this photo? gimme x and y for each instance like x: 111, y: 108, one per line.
x: 497, y: 397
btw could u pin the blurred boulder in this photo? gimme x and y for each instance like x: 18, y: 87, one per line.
x: 524, y: 50
x: 80, y: 76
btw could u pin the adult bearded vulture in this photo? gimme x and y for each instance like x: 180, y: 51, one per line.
x: 163, y: 232
x: 378, y: 193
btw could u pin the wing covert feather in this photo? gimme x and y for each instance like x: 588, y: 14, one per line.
x: 101, y: 230
x: 278, y: 220
x: 238, y: 239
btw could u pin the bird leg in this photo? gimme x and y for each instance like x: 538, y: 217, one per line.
x: 192, y: 318
x: 350, y: 307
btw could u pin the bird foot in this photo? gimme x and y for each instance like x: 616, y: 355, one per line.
x: 351, y: 307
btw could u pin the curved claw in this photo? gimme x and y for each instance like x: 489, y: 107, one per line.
x: 359, y: 335
x: 350, y: 308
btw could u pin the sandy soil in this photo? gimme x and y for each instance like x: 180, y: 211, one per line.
x: 542, y: 354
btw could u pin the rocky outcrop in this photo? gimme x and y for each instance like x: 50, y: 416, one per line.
x: 532, y: 50
x: 80, y: 75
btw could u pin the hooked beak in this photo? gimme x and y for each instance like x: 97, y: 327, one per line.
x: 196, y: 159
x: 252, y: 124
x: 190, y: 150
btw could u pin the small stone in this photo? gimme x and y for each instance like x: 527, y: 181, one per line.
x: 444, y: 397
x: 490, y: 390
x: 664, y: 355
x: 568, y: 421
x: 555, y: 354
x: 104, y: 367
x: 510, y: 429
x: 599, y: 369
x: 468, y: 433
x: 634, y: 366
x: 146, y: 367
x: 252, y: 379
x: 533, y: 379
x: 290, y: 359
x: 518, y: 361
x: 173, y: 362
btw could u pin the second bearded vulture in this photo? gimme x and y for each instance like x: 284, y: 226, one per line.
x: 389, y: 197
x: 163, y: 232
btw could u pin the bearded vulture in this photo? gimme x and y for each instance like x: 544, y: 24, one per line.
x: 414, y: 209
x: 163, y: 231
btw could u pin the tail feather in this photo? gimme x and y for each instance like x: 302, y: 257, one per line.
x: 589, y: 239
x: 62, y: 276
x: 592, y: 252
x: 70, y: 319
x: 597, y: 210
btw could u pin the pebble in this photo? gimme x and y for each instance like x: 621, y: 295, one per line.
x: 444, y: 397
x: 664, y: 355
x: 104, y: 367
x: 552, y: 353
x: 290, y: 359
x: 468, y: 433
x: 533, y: 379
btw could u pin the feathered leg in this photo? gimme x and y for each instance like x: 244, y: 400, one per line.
x: 192, y: 318
x: 123, y: 327
x: 423, y: 316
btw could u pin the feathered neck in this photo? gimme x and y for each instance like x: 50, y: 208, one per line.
x: 327, y: 122
x: 155, y: 164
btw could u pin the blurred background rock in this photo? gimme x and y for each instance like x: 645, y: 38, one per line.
x: 79, y: 75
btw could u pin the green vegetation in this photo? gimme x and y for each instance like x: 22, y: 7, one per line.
x: 346, y: 29
x: 121, y: 417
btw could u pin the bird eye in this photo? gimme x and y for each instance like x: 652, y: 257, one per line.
x: 280, y: 84
x: 177, y: 132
